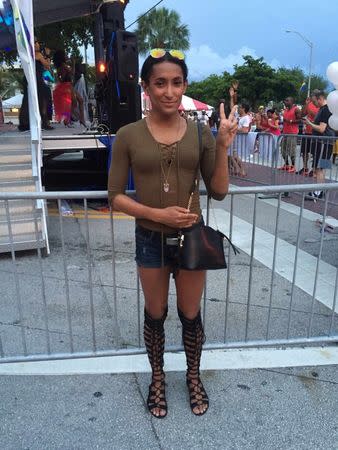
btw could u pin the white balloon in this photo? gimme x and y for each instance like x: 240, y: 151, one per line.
x: 332, y: 73
x: 333, y: 122
x: 332, y: 102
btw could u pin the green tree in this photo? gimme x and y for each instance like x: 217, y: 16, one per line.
x: 8, y: 58
x: 162, y: 28
x: 212, y: 89
x: 256, y: 80
x: 258, y: 84
x: 288, y: 82
x: 10, y: 81
x: 68, y: 35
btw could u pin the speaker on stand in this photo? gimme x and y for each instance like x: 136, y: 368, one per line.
x: 124, y: 99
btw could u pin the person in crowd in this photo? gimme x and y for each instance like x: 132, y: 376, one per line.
x: 273, y: 122
x: 309, y: 110
x: 321, y: 149
x: 42, y: 63
x: 214, y: 119
x: 80, y: 88
x: 204, y: 118
x: 261, y: 120
x: 190, y: 115
x: 66, y: 98
x: 163, y: 189
x: 233, y: 93
x: 244, y: 121
x: 291, y: 118
x: 235, y: 163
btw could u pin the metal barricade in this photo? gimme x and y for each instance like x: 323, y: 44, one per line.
x: 85, y: 300
x: 256, y: 152
x: 263, y: 163
x: 298, y: 155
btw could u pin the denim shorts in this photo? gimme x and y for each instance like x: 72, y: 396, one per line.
x: 152, y: 250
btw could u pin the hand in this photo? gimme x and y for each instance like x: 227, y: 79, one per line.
x: 227, y: 127
x: 176, y: 217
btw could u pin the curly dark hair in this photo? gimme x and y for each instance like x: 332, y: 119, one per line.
x: 59, y: 58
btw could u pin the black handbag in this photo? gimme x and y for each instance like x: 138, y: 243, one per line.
x: 200, y: 246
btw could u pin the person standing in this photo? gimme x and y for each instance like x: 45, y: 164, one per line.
x: 273, y: 122
x: 245, y: 119
x: 42, y: 63
x: 291, y: 119
x: 163, y: 153
x: 309, y: 110
x: 321, y: 149
x: 261, y: 120
x: 204, y: 118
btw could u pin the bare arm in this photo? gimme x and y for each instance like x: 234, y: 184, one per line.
x: 243, y: 130
x: 44, y: 61
x: 173, y: 216
x: 273, y: 124
x: 320, y: 128
x: 298, y: 114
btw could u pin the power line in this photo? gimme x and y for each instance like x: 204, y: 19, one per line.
x: 153, y: 7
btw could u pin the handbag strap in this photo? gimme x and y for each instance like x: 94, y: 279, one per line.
x: 200, y: 150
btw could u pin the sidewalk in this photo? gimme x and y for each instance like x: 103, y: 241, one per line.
x: 289, y: 409
x: 263, y: 409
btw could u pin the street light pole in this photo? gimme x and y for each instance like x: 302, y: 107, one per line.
x: 310, y: 44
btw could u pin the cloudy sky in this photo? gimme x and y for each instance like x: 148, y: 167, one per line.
x: 221, y: 31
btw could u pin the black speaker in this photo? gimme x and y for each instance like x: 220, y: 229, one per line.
x: 113, y: 19
x: 125, y: 56
x: 124, y: 104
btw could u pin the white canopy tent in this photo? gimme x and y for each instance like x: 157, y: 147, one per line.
x: 13, y: 102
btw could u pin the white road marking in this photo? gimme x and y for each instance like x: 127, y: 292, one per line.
x: 211, y: 360
x: 294, y: 209
x: 285, y: 257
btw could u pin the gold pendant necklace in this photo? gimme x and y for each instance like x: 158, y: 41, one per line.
x: 166, y: 185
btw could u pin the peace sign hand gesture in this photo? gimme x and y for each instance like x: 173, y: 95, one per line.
x: 227, y: 127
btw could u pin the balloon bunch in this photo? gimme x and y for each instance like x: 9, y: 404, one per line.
x: 332, y: 98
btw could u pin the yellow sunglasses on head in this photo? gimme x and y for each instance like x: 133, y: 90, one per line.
x: 160, y: 52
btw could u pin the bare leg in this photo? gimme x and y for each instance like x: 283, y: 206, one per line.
x: 320, y: 175
x: 189, y: 288
x: 155, y: 285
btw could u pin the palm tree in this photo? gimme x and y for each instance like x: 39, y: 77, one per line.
x: 161, y: 28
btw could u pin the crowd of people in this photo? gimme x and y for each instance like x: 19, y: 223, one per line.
x: 67, y: 99
x: 309, y: 120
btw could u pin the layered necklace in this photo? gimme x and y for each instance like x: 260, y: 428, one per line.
x: 169, y: 159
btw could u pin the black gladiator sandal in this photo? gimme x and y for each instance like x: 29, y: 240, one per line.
x: 154, y: 342
x: 193, y: 339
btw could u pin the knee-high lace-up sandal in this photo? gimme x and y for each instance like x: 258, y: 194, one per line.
x: 154, y: 342
x: 193, y: 339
